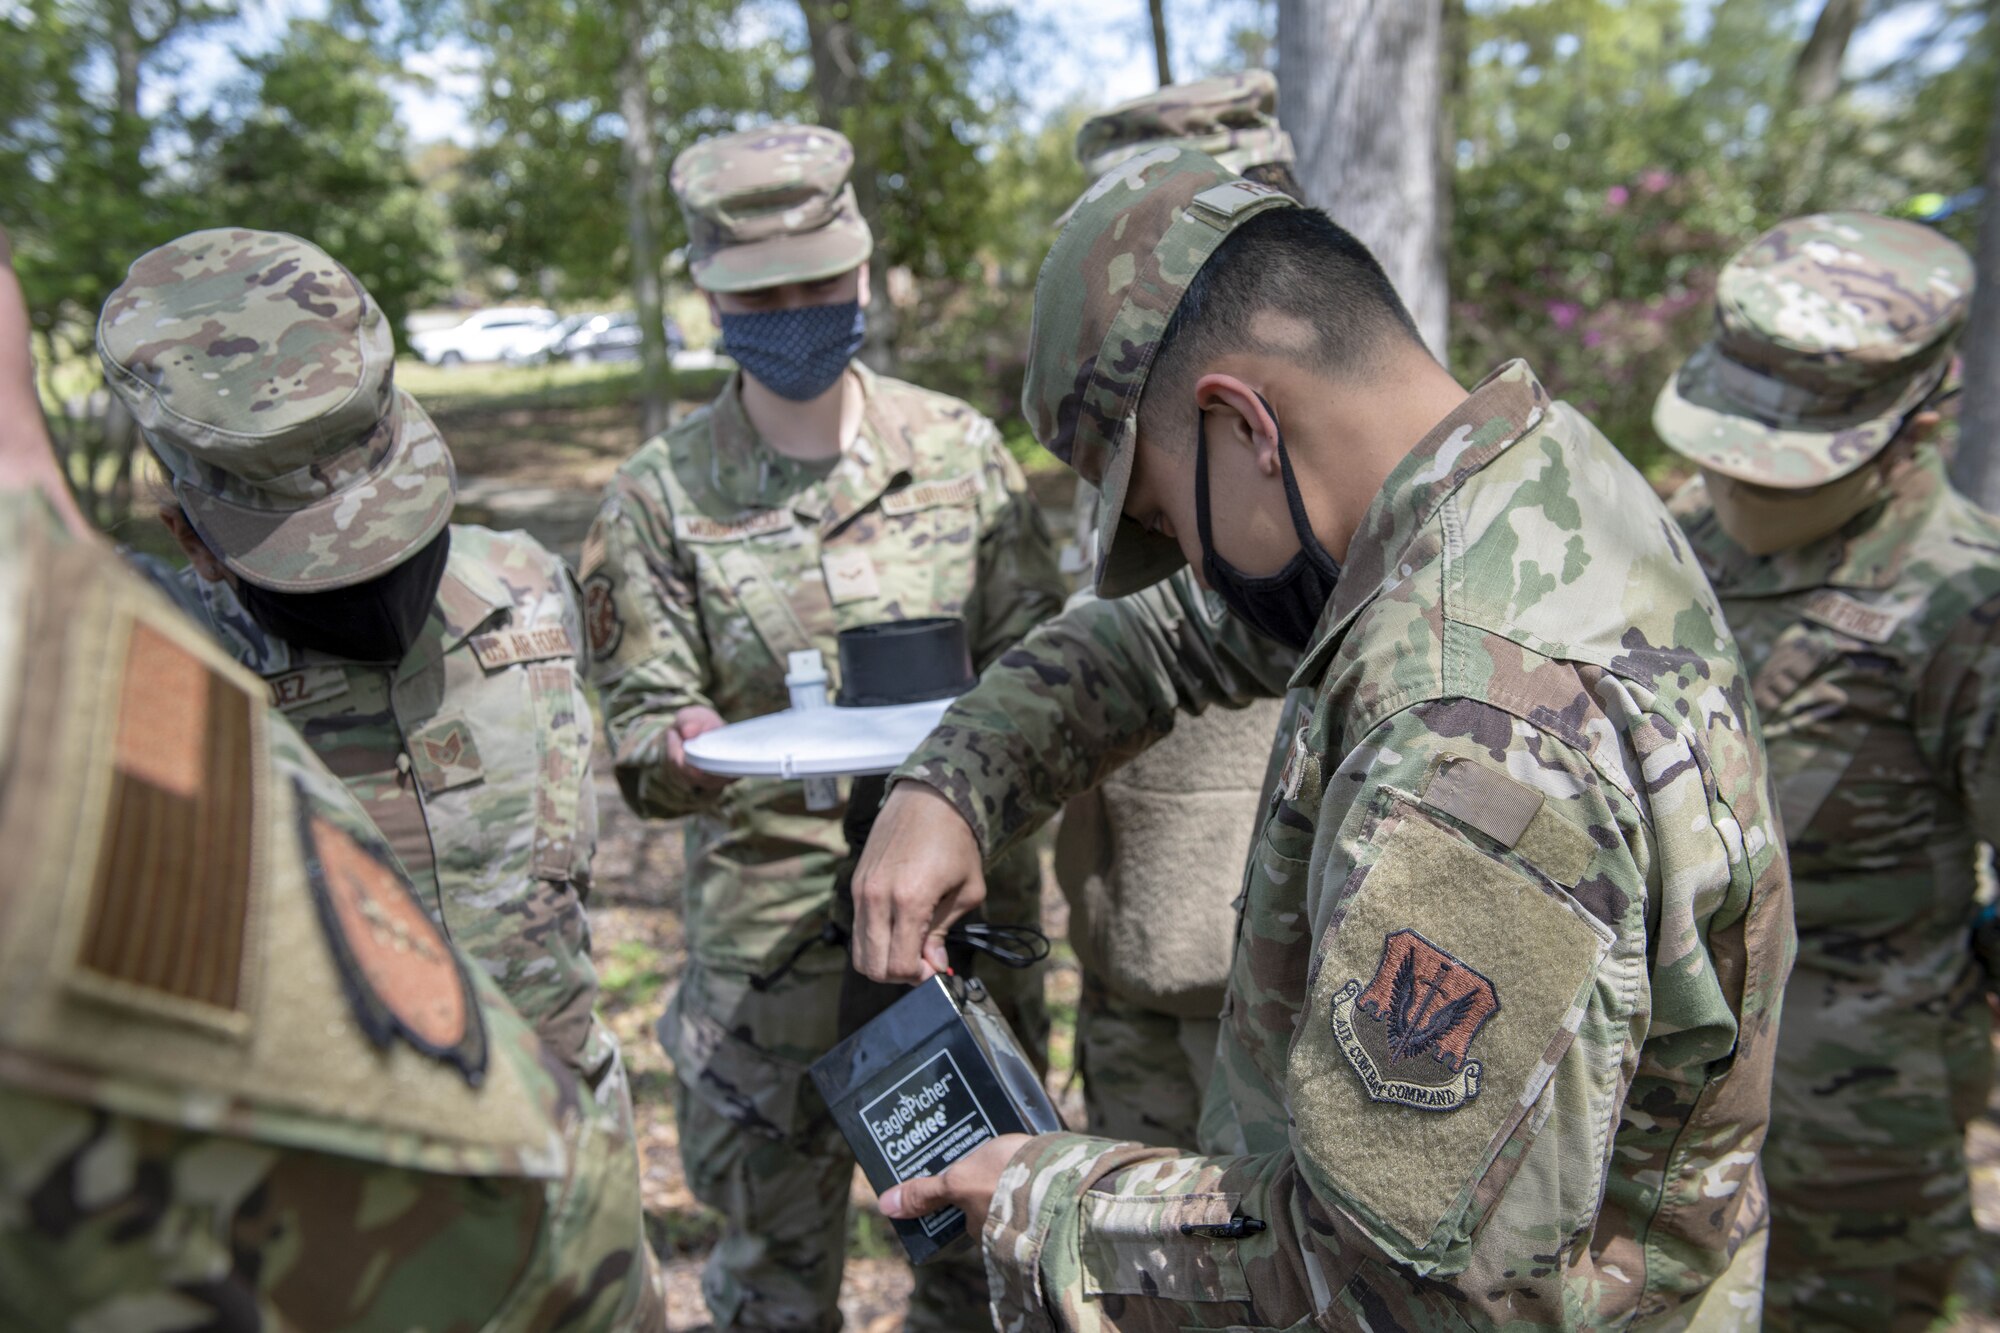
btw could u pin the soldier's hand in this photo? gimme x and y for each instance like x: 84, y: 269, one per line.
x: 688, y: 724
x: 969, y: 1183
x: 920, y: 872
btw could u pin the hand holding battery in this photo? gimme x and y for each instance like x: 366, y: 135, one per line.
x: 968, y: 1184
x: 920, y: 872
x: 688, y: 724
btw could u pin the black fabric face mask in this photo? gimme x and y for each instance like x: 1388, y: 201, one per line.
x: 1285, y: 606
x: 376, y: 621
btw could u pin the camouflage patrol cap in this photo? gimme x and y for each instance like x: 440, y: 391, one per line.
x: 1830, y: 329
x: 262, y: 375
x: 770, y: 206
x: 1111, y: 283
x: 1232, y: 118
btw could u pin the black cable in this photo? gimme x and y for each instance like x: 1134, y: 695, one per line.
x: 1010, y: 946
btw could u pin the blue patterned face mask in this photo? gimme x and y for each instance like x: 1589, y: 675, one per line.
x: 796, y: 354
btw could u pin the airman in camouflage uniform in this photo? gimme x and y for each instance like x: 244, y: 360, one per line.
x: 245, y: 1082
x: 1232, y: 117
x: 1512, y: 942
x: 1150, y: 860
x: 717, y: 555
x: 262, y: 375
x: 1865, y: 596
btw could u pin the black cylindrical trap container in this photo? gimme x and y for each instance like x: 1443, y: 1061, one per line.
x: 904, y: 662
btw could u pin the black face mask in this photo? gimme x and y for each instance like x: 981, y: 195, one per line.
x: 1285, y: 606
x: 376, y: 621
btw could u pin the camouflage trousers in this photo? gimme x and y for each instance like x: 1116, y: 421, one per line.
x: 760, y: 1148
x: 1870, y: 1200
x: 1144, y: 1071
x: 535, y: 944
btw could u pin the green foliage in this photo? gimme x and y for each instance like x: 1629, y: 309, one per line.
x: 309, y: 143
x: 935, y: 83
x: 632, y: 975
x: 970, y: 338
x: 1938, y: 100
x: 544, y: 196
x: 85, y: 193
x: 1611, y: 155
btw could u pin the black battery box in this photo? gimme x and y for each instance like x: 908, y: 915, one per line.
x: 925, y: 1082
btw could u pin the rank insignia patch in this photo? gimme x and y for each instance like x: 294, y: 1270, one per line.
x: 601, y: 624
x: 446, y: 755
x: 1409, y: 1031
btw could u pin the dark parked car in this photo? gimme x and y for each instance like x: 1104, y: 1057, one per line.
x: 612, y: 338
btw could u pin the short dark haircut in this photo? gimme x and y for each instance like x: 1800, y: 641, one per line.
x: 1300, y: 265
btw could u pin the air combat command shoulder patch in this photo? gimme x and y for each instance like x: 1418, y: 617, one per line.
x: 601, y: 623
x: 1409, y: 1032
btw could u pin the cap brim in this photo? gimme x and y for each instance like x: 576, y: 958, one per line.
x: 341, y: 540
x: 1702, y: 424
x: 826, y: 253
x: 1129, y: 558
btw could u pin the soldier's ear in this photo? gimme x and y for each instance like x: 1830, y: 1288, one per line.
x: 1922, y: 426
x: 861, y: 290
x: 1237, y: 415
x: 206, y: 566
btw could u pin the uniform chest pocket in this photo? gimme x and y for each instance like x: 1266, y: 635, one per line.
x: 562, y: 742
x: 774, y: 613
x: 937, y: 523
x: 1820, y: 695
x: 1271, y: 920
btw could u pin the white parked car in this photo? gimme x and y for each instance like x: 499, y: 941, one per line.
x: 507, y: 333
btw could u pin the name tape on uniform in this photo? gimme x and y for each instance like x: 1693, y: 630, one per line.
x: 930, y: 494
x: 307, y: 685
x: 701, y: 528
x: 504, y: 647
x: 1838, y: 611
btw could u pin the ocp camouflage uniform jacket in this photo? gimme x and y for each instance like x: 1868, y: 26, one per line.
x: 472, y: 755
x: 245, y: 1082
x: 715, y: 557
x: 1498, y: 1037
x: 1877, y: 675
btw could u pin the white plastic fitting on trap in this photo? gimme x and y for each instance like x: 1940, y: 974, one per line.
x: 805, y: 677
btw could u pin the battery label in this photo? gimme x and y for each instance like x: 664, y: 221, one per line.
x: 926, y: 1121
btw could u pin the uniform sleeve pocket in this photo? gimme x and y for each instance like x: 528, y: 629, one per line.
x: 1444, y: 995
x: 560, y: 738
x: 747, y: 1085
x: 1132, y: 1245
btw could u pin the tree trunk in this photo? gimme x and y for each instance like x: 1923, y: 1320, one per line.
x: 837, y: 91
x: 642, y: 221
x: 1976, y: 469
x: 1457, y: 58
x: 1160, y: 60
x: 1360, y: 87
x: 125, y: 55
x: 1816, y: 74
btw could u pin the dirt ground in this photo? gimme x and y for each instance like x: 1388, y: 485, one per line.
x: 543, y: 466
